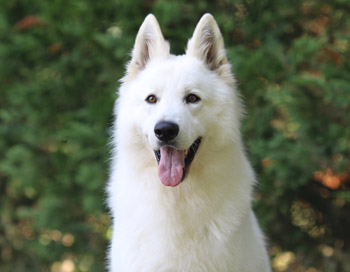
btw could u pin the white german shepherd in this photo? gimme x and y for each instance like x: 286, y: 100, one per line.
x: 180, y: 189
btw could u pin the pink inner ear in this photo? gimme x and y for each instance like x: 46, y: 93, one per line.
x: 207, y: 43
x: 149, y: 44
x: 144, y: 53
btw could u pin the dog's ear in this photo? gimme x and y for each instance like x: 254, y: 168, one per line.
x: 207, y: 44
x: 149, y: 44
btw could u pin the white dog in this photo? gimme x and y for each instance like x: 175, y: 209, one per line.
x: 180, y: 189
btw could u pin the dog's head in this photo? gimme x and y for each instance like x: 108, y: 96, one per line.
x: 180, y: 107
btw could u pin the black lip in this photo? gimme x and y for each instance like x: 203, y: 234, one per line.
x: 192, y: 152
x: 189, y: 158
x: 157, y: 153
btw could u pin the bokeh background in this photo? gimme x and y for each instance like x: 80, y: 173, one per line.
x: 59, y: 66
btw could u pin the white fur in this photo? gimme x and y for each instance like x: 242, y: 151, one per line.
x: 206, y: 223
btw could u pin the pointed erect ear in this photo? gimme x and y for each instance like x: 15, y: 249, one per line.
x: 207, y: 44
x: 149, y: 44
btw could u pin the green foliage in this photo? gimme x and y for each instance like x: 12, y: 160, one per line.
x: 60, y: 61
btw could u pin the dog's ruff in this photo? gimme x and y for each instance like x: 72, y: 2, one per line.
x: 180, y: 188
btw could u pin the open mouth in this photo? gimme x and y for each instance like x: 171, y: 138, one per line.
x: 173, y: 164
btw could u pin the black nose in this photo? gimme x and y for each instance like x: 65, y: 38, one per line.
x: 166, y: 131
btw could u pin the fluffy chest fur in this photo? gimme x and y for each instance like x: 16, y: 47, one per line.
x: 187, y: 229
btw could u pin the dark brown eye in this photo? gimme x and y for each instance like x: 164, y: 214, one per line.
x: 152, y: 99
x: 192, y: 98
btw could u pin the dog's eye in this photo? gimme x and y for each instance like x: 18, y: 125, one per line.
x: 152, y: 99
x: 192, y: 98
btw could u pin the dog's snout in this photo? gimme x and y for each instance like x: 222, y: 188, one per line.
x: 166, y: 131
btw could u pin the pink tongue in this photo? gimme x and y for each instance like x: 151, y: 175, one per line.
x: 171, y: 166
